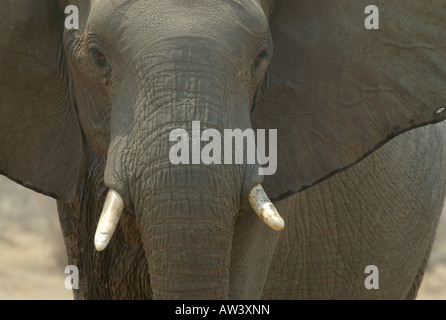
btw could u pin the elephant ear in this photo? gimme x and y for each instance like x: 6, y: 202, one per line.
x: 41, y: 143
x: 336, y: 91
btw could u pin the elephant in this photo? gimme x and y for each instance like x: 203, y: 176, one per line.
x: 86, y: 113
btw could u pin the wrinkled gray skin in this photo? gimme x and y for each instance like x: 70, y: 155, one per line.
x: 136, y: 70
x: 384, y: 211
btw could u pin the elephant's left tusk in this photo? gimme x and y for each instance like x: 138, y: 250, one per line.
x: 113, y: 207
x: 264, y: 208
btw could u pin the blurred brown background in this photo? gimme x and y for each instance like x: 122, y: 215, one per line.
x: 32, y: 254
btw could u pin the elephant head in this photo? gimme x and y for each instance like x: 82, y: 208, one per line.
x: 134, y: 71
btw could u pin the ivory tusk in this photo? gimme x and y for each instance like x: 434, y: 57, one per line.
x: 264, y: 208
x: 113, y: 207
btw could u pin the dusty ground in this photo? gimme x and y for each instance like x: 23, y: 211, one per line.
x: 434, y: 282
x: 32, y: 258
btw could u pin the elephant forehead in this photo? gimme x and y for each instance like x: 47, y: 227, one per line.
x: 145, y: 21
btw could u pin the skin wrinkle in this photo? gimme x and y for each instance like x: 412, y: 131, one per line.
x: 413, y: 46
x: 152, y: 53
x: 177, y: 224
x: 194, y: 66
x: 194, y: 253
x: 355, y: 252
x: 150, y: 49
x: 201, y: 167
x: 167, y: 188
x: 179, y: 187
x: 200, y: 280
x: 160, y: 110
x: 164, y: 202
x: 209, y: 105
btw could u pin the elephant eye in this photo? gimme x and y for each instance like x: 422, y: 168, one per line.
x: 104, y: 68
x: 259, y: 66
x: 99, y: 58
x: 261, y: 57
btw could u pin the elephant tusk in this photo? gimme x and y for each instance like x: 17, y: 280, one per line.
x: 113, y: 207
x: 264, y: 208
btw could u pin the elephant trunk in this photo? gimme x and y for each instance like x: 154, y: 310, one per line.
x: 187, y: 240
x: 186, y: 218
x: 185, y: 212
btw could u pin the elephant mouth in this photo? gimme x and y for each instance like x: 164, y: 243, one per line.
x: 114, y: 206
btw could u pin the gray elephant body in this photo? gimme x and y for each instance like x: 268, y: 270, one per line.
x: 383, y: 211
x: 86, y: 110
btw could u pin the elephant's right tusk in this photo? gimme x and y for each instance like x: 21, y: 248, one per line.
x: 264, y: 208
x: 113, y: 207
